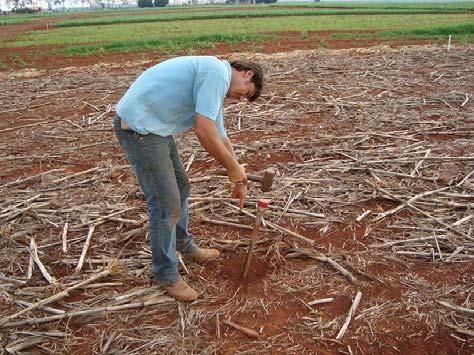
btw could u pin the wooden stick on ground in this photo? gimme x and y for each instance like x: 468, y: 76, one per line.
x: 322, y: 300
x: 218, y: 327
x: 247, y: 331
x: 352, y: 310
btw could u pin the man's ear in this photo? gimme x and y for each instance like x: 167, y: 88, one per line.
x: 248, y: 75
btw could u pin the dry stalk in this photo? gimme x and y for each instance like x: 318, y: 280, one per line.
x: 113, y: 268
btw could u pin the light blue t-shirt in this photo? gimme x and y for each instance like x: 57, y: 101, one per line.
x: 165, y: 98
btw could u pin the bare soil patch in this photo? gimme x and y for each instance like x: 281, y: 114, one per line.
x: 374, y: 153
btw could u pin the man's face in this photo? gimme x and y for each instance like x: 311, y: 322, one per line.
x: 241, y: 86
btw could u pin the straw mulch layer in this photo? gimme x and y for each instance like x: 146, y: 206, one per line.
x: 368, y: 245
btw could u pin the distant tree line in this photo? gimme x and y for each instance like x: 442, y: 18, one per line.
x: 27, y: 10
x: 161, y: 3
x: 250, y: 1
x: 152, y: 3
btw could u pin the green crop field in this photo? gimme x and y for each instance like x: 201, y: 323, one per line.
x: 261, y: 13
x: 380, y: 5
x: 12, y: 21
x: 172, y: 29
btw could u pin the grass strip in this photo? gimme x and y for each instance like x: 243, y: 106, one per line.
x: 163, y: 45
x: 468, y: 5
x: 461, y: 31
x: 465, y: 29
x: 246, y: 14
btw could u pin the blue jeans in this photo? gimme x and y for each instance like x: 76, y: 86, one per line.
x: 160, y: 173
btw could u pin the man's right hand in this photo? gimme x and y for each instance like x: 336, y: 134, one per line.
x: 240, y: 192
x: 237, y: 174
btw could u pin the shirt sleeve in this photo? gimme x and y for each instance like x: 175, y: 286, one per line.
x: 220, y: 124
x: 209, y: 92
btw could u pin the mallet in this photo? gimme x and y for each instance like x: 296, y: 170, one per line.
x: 265, y: 180
x: 262, y: 204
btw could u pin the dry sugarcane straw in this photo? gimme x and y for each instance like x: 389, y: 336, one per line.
x: 409, y: 202
x: 13, y: 280
x: 276, y: 226
x: 29, y: 178
x: 31, y: 261
x: 430, y: 216
x: 46, y: 309
x: 64, y: 237
x: 86, y: 247
x: 34, y: 255
x: 18, y: 346
x: 322, y: 300
x: 456, y: 308
x: 363, y: 215
x: 460, y: 329
x: 225, y: 223
x: 31, y: 199
x: 113, y: 267
x: 378, y: 127
x: 351, y: 313
x: 103, y: 219
x: 314, y: 255
x: 181, y: 261
x: 86, y: 312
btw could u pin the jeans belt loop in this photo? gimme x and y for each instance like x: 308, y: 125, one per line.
x: 124, y: 125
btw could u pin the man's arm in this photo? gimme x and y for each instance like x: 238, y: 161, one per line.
x: 219, y: 148
x: 240, y: 190
x: 229, y: 146
x: 222, y: 150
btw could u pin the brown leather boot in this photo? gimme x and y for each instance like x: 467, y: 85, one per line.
x: 181, y: 291
x: 202, y: 254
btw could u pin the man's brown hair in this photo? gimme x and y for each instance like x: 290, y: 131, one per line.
x: 257, y: 78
